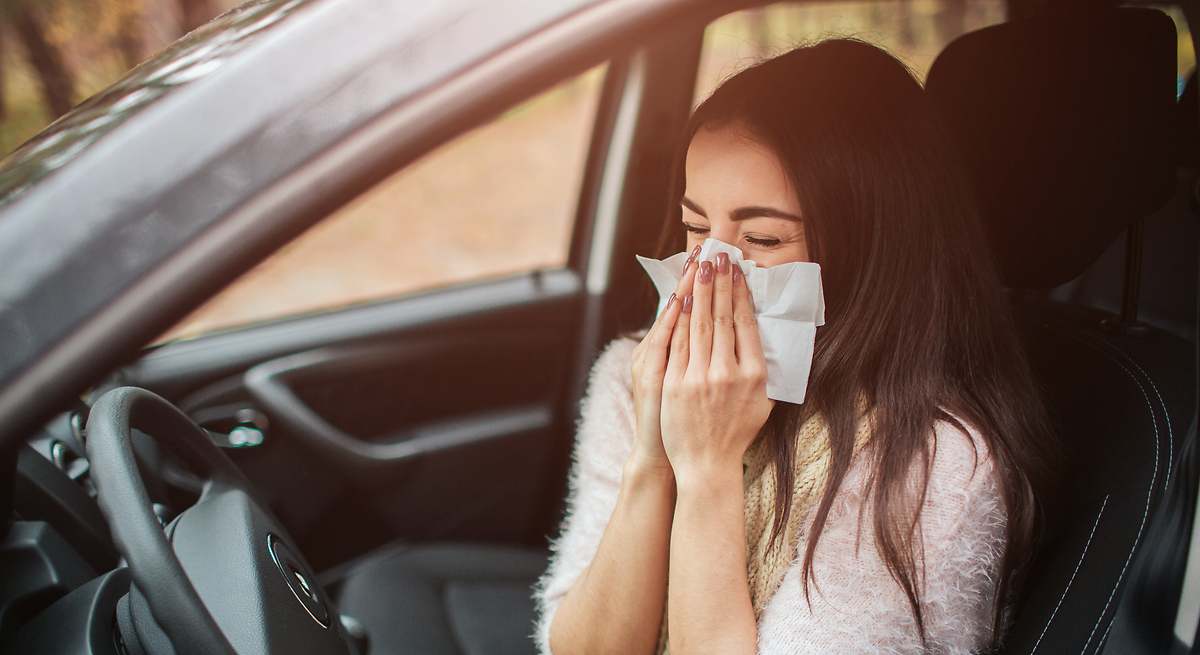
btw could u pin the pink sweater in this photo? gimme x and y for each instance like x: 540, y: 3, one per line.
x: 856, y: 605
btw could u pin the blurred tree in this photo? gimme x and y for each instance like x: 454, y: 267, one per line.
x: 28, y: 23
x: 875, y: 15
x: 3, y: 75
x: 194, y: 13
x: 127, y: 36
x: 904, y: 24
x: 759, y: 26
x: 951, y: 19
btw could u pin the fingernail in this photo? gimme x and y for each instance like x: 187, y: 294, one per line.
x: 706, y: 272
x: 737, y: 273
x: 723, y: 263
x: 691, y: 258
x: 669, y: 301
x: 687, y: 304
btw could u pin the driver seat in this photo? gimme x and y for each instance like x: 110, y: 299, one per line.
x: 1065, y: 123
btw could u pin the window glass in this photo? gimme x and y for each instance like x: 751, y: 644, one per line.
x: 915, y: 32
x: 1185, y: 53
x: 497, y: 200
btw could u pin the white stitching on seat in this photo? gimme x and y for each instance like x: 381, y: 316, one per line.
x: 1166, y: 411
x: 1149, y: 494
x: 1073, y: 574
x: 1167, y: 420
x: 1104, y: 638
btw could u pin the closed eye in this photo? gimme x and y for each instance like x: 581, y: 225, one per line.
x: 766, y: 243
x: 763, y: 243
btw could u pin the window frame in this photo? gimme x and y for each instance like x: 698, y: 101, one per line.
x: 579, y: 233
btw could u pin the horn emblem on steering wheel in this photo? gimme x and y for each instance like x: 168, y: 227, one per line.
x: 294, y: 577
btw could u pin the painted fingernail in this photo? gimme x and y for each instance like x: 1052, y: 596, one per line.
x: 692, y: 257
x: 723, y: 263
x: 669, y: 302
x: 737, y: 273
x: 706, y: 272
x: 687, y: 304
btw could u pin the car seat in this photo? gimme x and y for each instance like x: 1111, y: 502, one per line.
x: 1065, y: 121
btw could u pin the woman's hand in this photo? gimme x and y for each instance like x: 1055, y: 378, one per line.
x: 714, y: 398
x: 649, y: 366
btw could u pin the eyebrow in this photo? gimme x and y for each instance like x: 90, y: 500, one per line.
x: 742, y: 213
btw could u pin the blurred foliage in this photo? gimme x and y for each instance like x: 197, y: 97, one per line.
x: 1186, y: 50
x: 56, y: 53
x: 914, y: 31
x: 187, y: 59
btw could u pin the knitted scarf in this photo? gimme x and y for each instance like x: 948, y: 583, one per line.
x: 766, y: 566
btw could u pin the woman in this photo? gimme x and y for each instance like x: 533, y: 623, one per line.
x: 894, y: 511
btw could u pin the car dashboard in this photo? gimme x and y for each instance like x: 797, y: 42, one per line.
x: 59, y: 568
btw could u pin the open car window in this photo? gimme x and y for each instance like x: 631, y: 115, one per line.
x: 915, y: 33
x: 497, y: 200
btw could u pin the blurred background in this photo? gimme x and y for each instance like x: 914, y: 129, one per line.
x: 496, y: 201
x: 56, y: 53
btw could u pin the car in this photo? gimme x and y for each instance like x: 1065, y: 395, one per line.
x: 377, y: 468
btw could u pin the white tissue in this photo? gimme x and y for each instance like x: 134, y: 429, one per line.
x: 788, y: 302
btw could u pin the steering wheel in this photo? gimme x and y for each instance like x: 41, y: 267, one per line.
x: 222, y: 577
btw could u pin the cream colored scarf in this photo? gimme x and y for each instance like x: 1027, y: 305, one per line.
x: 765, y: 566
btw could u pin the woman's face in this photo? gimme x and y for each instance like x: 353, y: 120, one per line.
x: 737, y: 191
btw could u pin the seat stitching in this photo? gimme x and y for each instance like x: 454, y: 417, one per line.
x: 1166, y: 411
x: 1167, y: 420
x: 1073, y: 574
x: 1149, y: 494
x: 1104, y: 639
x: 1145, y: 512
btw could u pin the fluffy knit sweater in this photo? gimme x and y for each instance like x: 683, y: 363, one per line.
x: 856, y: 606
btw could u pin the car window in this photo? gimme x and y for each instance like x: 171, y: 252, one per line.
x: 497, y: 200
x: 1185, y: 52
x: 915, y: 32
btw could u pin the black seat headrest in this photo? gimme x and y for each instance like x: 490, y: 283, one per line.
x: 1065, y: 123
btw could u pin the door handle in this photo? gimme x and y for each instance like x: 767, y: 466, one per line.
x: 267, y: 385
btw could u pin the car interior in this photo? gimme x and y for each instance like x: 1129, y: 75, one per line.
x: 416, y: 449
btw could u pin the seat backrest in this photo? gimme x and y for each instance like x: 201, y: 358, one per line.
x: 1065, y: 123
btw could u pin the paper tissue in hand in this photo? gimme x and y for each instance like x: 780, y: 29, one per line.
x: 788, y: 303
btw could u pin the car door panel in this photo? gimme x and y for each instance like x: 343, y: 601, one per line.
x: 435, y: 424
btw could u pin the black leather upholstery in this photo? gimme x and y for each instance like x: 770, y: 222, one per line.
x: 442, y: 599
x: 1121, y: 404
x: 1067, y: 124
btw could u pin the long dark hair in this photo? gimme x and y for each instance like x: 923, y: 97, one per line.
x: 916, y: 317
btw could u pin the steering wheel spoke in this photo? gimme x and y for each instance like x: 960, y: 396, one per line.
x: 222, y: 578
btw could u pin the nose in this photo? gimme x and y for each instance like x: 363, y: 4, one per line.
x: 726, y: 233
